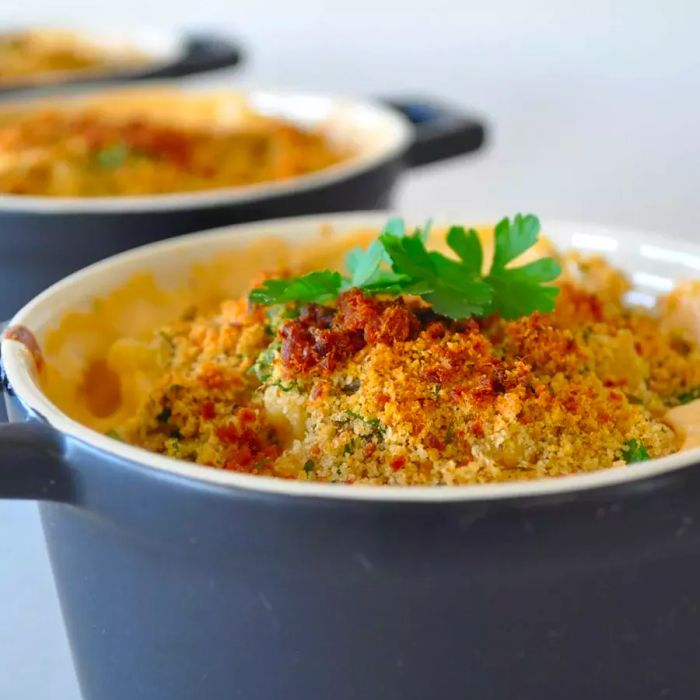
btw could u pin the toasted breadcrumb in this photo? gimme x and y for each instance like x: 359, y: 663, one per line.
x: 387, y: 392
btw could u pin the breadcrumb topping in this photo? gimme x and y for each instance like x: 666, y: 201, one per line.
x: 371, y: 390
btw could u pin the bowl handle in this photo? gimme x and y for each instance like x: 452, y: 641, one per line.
x: 32, y: 464
x: 441, y: 132
x: 203, y: 53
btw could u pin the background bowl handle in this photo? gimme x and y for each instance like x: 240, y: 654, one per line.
x: 441, y: 132
x: 203, y: 52
x: 32, y: 464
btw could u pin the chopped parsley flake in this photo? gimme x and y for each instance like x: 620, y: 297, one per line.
x: 112, y: 156
x: 634, y: 451
x: 374, y: 422
x: 262, y: 368
x: 292, y: 386
x: 690, y: 395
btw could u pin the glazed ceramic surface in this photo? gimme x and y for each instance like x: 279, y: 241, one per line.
x: 180, y: 581
x: 45, y: 238
x: 164, y: 54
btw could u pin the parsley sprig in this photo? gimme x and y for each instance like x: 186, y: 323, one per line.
x: 398, y: 262
x: 314, y: 287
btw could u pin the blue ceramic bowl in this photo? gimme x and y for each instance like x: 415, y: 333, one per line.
x: 165, y: 54
x: 179, y: 581
x: 45, y: 238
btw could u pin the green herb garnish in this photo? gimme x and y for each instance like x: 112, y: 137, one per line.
x: 399, y: 263
x: 453, y: 288
x: 520, y: 291
x: 374, y: 423
x: 262, y: 367
x: 309, y: 466
x: 634, y: 451
x: 112, y: 433
x: 112, y: 156
x: 292, y: 386
x: 314, y: 287
x: 368, y: 268
x: 690, y: 395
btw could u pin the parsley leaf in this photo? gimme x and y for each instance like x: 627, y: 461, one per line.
x: 519, y: 291
x: 399, y: 263
x: 395, y: 227
x: 369, y: 269
x: 511, y: 239
x: 634, y: 451
x: 452, y: 288
x: 468, y: 247
x: 364, y: 266
x: 314, y: 287
x: 424, y: 232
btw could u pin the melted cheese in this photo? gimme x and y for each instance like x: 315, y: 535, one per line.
x: 113, y: 339
x: 685, y: 421
x: 681, y: 311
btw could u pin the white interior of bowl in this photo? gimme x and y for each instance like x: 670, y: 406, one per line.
x: 654, y: 263
x: 376, y: 134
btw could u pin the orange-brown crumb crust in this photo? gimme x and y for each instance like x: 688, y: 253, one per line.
x: 382, y: 391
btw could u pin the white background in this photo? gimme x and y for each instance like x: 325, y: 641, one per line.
x: 594, y: 113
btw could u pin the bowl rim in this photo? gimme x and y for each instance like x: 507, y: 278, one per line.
x: 20, y: 371
x: 401, y: 133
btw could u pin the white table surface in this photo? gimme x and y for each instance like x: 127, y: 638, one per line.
x: 594, y: 114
